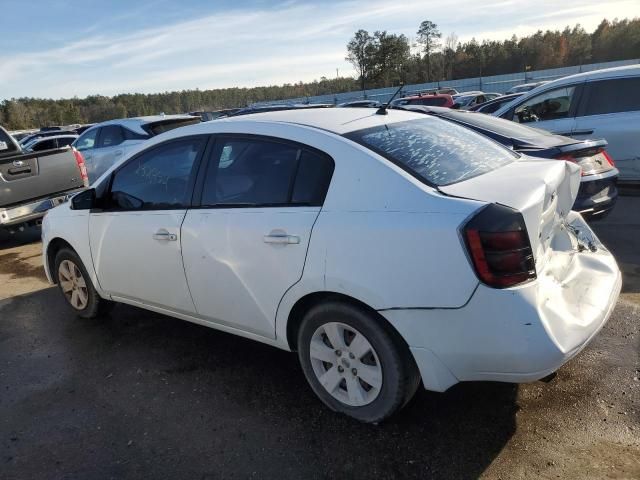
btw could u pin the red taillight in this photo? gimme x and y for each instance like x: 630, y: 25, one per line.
x: 606, y: 155
x: 82, y: 167
x: 591, y: 161
x: 499, y: 247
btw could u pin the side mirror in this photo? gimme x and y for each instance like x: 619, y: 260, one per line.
x: 84, y: 200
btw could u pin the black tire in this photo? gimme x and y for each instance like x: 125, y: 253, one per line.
x: 95, y: 305
x: 400, y: 375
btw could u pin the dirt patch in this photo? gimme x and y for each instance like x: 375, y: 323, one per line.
x: 15, y: 266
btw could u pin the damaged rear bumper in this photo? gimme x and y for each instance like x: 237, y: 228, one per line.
x: 520, y: 334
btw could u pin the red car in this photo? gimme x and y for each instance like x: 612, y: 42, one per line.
x: 431, y: 100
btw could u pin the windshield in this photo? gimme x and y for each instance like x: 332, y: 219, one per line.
x: 437, y: 152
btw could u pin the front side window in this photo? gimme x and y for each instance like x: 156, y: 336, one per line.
x: 433, y: 150
x: 87, y: 140
x: 110, y: 136
x: 157, y: 179
x: 613, y: 96
x: 551, y: 105
x: 261, y: 172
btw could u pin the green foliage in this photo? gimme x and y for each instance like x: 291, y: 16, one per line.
x: 380, y: 60
x: 617, y: 40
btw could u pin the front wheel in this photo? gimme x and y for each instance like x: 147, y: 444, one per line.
x: 354, y: 364
x: 76, y: 286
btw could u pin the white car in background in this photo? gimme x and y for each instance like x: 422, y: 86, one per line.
x: 105, y: 143
x: 388, y: 248
x: 598, y: 104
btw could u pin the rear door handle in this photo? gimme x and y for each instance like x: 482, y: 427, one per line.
x: 281, y: 238
x: 164, y: 235
x: 118, y: 153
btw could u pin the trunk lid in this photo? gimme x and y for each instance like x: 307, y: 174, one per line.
x: 542, y: 190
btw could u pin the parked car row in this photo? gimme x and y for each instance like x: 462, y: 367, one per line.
x: 599, y: 104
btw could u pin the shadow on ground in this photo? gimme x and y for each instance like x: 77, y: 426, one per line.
x: 11, y: 240
x: 142, y: 395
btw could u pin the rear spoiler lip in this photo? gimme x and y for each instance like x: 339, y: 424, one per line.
x: 583, y: 145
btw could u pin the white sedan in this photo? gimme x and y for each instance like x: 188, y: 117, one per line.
x: 388, y: 249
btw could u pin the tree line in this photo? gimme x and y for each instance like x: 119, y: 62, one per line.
x: 380, y: 59
x: 386, y: 59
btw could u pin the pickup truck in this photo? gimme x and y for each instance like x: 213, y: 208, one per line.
x: 33, y: 182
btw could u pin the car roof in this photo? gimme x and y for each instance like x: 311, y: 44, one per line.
x: 597, y: 74
x: 626, y: 71
x: 335, y: 120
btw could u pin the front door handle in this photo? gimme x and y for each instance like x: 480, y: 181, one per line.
x: 278, y: 236
x: 164, y: 235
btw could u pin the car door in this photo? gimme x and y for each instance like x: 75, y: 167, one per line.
x: 135, y: 239
x: 610, y: 109
x: 552, y: 110
x: 245, y: 245
x: 86, y: 144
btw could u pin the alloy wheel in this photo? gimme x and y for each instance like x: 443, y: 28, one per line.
x: 73, y: 285
x: 346, y: 364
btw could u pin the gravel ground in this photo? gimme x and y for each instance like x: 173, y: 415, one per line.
x: 140, y: 395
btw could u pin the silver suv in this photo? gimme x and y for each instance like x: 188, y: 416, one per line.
x: 599, y: 104
x: 107, y: 142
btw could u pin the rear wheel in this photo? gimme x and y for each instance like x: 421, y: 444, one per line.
x: 354, y: 364
x: 76, y: 286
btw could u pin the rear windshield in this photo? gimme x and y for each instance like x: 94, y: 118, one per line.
x: 435, y: 151
x: 156, y: 128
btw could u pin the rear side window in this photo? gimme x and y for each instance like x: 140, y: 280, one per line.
x: 613, y: 96
x: 247, y: 172
x: 312, y: 179
x: 87, y: 140
x: 130, y: 135
x: 110, y: 136
x: 44, y: 145
x: 433, y: 150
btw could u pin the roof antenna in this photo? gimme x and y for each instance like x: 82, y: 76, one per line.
x: 383, y: 109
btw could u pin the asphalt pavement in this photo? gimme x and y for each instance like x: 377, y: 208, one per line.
x: 140, y: 395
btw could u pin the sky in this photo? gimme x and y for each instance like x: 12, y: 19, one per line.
x: 67, y: 48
